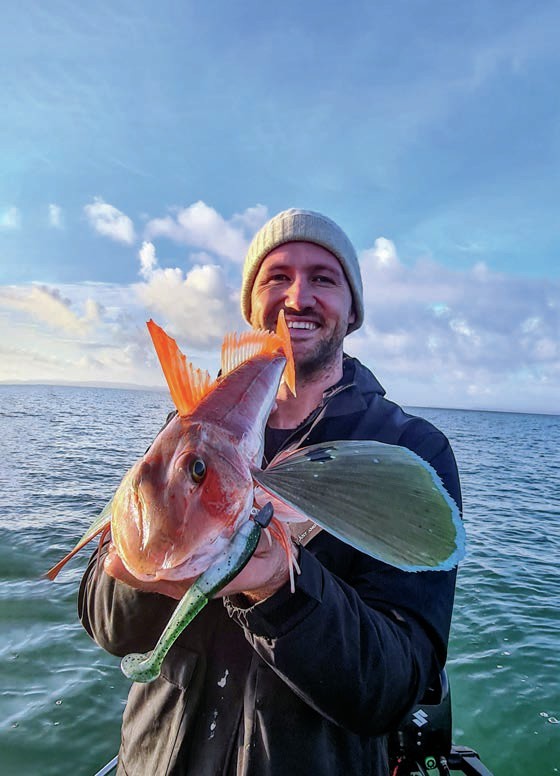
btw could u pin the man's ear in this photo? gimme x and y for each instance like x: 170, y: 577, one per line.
x: 352, y: 316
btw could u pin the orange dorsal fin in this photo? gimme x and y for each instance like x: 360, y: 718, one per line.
x: 238, y: 348
x: 187, y: 385
x: 283, y: 333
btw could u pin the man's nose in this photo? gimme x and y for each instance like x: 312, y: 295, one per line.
x: 299, y: 295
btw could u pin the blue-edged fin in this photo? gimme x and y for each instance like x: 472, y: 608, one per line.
x: 382, y: 499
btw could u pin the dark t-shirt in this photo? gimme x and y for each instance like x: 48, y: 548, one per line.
x: 274, y: 438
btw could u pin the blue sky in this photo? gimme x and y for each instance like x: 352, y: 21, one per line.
x: 142, y: 145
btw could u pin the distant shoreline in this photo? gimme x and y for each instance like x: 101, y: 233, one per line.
x: 82, y: 384
x: 163, y: 389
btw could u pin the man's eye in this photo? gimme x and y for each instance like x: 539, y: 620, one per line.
x: 323, y: 279
x: 278, y: 278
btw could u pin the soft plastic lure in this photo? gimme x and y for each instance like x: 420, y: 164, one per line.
x: 145, y: 667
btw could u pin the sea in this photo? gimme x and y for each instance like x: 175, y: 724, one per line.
x: 65, y: 450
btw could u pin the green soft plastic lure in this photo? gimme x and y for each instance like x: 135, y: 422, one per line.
x: 146, y: 667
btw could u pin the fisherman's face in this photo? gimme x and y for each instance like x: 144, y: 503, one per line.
x: 309, y: 284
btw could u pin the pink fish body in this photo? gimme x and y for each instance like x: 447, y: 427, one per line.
x: 194, y: 487
x: 177, y: 508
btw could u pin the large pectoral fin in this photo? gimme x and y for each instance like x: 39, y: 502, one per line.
x: 382, y: 499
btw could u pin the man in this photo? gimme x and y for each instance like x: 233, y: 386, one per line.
x: 265, y: 681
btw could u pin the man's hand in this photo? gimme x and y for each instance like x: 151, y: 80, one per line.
x: 266, y: 572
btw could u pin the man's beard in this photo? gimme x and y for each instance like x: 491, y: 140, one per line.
x: 325, y: 355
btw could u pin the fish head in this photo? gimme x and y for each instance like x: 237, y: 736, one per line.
x: 181, y: 503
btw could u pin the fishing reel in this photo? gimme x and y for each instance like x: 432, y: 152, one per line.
x: 422, y: 745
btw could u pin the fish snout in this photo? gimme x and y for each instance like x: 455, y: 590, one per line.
x: 139, y: 523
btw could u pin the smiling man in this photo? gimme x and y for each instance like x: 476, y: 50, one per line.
x: 308, y: 282
x: 266, y: 681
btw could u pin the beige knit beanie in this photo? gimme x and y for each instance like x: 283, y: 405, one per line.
x: 296, y: 225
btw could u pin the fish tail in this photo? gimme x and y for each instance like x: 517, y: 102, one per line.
x: 187, y: 385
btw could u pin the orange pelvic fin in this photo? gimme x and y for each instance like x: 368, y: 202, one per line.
x: 187, y: 385
x: 53, y: 573
x: 238, y: 348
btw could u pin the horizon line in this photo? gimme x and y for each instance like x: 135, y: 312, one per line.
x: 157, y: 388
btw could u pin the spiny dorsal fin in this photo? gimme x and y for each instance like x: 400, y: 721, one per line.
x: 238, y: 348
x: 283, y: 332
x: 187, y: 385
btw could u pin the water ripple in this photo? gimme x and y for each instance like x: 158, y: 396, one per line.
x: 61, y: 697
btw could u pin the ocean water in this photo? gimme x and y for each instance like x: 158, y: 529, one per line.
x: 61, y: 697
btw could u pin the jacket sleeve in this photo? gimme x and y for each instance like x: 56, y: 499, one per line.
x: 359, y: 641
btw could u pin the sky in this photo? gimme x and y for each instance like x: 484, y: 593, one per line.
x: 142, y: 145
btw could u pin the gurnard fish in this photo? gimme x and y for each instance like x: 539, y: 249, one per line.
x: 193, y: 507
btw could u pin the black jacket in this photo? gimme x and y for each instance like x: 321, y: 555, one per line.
x: 306, y: 683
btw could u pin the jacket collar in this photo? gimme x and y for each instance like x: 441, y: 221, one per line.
x: 355, y: 372
x: 353, y: 391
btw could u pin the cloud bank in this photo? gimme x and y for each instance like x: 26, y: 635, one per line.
x: 434, y: 336
x: 47, y: 306
x: 197, y: 305
x: 485, y: 336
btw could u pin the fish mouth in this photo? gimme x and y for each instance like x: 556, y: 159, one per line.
x: 199, y: 561
x: 191, y: 567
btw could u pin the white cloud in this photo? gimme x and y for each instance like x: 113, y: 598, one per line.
x: 98, y: 336
x: 383, y: 253
x: 55, y: 216
x: 202, y: 227
x: 148, y: 261
x: 110, y: 222
x: 10, y: 219
x: 198, y: 305
x: 444, y: 330
x: 47, y: 306
x: 251, y: 219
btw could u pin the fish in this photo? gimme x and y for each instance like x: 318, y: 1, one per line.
x: 193, y: 507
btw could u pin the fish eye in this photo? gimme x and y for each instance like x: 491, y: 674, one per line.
x: 198, y: 469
